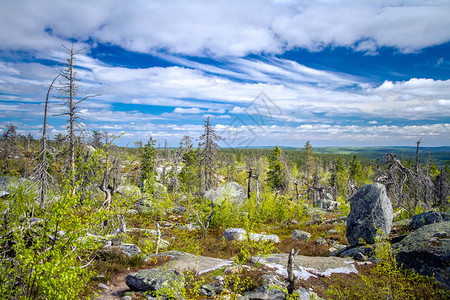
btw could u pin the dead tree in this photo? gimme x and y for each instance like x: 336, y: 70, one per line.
x: 251, y: 176
x: 41, y: 171
x: 105, y: 186
x: 290, y: 272
x: 403, y: 184
x: 208, y: 144
x: 69, y: 90
x: 297, y: 194
x: 8, y: 145
x: 205, y: 225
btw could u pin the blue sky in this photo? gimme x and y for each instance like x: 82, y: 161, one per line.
x: 336, y: 73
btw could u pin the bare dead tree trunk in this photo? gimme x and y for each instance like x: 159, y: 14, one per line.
x: 416, y: 166
x: 416, y: 169
x: 297, y: 195
x: 208, y: 220
x: 158, y: 237
x: 290, y: 271
x: 257, y: 190
x: 41, y: 171
x: 69, y: 91
x: 249, y: 189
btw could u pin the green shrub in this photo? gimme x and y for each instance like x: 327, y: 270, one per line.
x: 387, y: 280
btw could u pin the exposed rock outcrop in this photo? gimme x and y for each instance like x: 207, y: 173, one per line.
x: 429, y: 217
x: 427, y: 251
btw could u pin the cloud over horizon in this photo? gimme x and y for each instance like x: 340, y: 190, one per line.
x: 164, y: 66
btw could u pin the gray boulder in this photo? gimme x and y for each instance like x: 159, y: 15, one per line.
x: 425, y: 252
x: 154, y: 280
x: 429, y: 217
x: 211, y: 290
x: 370, y: 215
x: 301, y: 235
x: 266, y: 292
x: 230, y: 191
x: 235, y: 234
x: 351, y: 251
x: 130, y: 249
x: 328, y: 204
x: 240, y: 234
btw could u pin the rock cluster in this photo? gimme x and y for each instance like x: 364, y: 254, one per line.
x: 240, y: 234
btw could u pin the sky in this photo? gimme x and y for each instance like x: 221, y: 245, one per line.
x: 265, y: 72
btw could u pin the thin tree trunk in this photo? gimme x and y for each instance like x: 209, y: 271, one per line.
x: 290, y: 271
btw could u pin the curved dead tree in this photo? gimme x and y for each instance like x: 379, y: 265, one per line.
x: 406, y: 188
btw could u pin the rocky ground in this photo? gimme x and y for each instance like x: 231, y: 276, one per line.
x: 425, y: 250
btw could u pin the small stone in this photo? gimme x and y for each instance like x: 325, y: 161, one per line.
x: 220, y: 279
x: 126, y: 298
x: 361, y: 257
x: 320, y: 241
x: 331, y: 242
x: 103, y: 286
x: 332, y: 231
x: 332, y: 249
x: 301, y: 235
x: 339, y: 246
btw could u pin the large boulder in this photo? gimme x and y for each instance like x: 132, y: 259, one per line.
x: 154, y: 280
x: 230, y: 191
x: 370, y: 215
x: 429, y: 217
x: 427, y: 251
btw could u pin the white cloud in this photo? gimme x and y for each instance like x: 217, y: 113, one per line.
x: 192, y: 110
x: 224, y: 28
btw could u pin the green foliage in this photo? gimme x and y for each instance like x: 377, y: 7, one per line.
x: 47, y: 260
x: 148, y: 160
x: 276, y: 177
x: 237, y: 281
x: 189, y: 174
x: 387, y: 280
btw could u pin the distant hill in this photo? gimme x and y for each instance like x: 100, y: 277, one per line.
x: 437, y: 154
